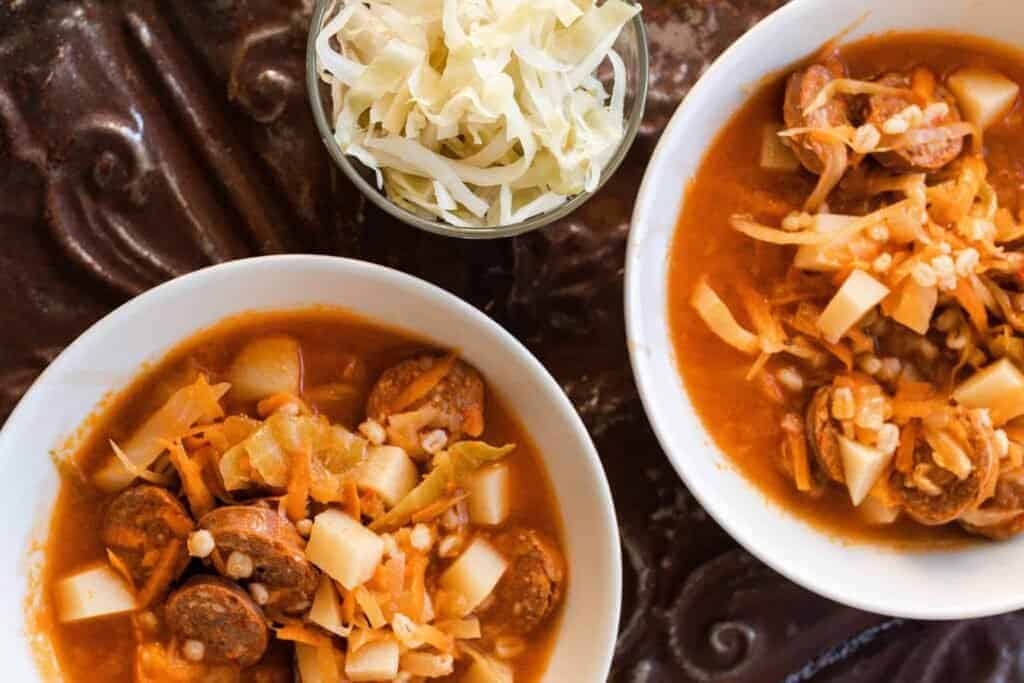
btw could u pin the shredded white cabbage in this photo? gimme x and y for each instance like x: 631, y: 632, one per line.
x: 473, y: 112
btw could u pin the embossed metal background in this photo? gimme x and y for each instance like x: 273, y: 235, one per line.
x: 142, y: 139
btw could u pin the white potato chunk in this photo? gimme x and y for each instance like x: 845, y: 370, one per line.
x: 376, y: 661
x: 775, y: 156
x: 265, y: 367
x: 488, y: 670
x: 862, y: 465
x: 915, y: 306
x: 317, y: 664
x: 96, y: 592
x: 475, y: 574
x: 389, y: 472
x: 346, y: 550
x: 326, y: 609
x: 999, y: 387
x: 488, y: 501
x: 858, y: 295
x: 984, y: 95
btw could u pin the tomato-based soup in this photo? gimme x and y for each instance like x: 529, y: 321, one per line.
x: 342, y: 357
x: 744, y: 413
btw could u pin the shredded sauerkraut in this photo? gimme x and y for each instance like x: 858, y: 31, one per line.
x: 473, y: 112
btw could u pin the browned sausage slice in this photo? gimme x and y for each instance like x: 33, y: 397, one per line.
x: 532, y: 585
x: 821, y: 434
x: 275, y: 548
x: 951, y: 497
x: 221, y: 616
x: 458, y: 395
x: 801, y: 89
x: 927, y: 157
x: 141, y: 524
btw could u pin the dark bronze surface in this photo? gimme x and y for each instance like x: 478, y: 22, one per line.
x: 142, y: 139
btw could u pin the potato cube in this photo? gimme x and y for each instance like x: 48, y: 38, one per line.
x: 475, y: 574
x: 326, y: 609
x: 317, y: 664
x: 862, y: 465
x: 858, y: 295
x: 999, y: 387
x: 488, y: 501
x: 915, y: 305
x: 265, y: 367
x: 376, y: 661
x: 775, y: 156
x: 96, y: 592
x: 388, y: 472
x: 984, y: 95
x: 346, y: 550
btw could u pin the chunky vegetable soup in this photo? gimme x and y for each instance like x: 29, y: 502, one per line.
x: 304, y: 496
x: 847, y: 289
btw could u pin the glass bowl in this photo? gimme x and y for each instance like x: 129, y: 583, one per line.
x: 631, y: 46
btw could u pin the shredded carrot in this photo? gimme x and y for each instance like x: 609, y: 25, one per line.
x: 200, y: 499
x: 905, y: 451
x: 163, y: 573
x: 348, y: 605
x: 371, y: 608
x: 437, y: 508
x: 350, y: 502
x: 903, y: 410
x: 423, y: 385
x: 120, y: 567
x: 416, y: 595
x: 300, y: 633
x: 915, y: 391
x: 969, y: 299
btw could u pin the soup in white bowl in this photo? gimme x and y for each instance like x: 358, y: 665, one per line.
x: 819, y: 194
x: 350, y: 490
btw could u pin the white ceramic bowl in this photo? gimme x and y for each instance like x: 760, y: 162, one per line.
x: 110, y: 353
x: 934, y: 585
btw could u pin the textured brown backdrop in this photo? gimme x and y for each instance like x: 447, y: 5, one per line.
x: 142, y: 139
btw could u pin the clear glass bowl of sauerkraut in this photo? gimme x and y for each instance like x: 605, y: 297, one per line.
x: 476, y: 119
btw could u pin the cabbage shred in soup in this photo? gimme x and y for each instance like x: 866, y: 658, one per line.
x: 847, y: 290
x: 304, y: 496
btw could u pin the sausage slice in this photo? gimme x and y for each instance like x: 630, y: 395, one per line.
x: 926, y: 157
x: 275, y: 548
x: 458, y: 396
x: 801, y: 89
x: 140, y: 525
x: 221, y: 616
x: 532, y: 585
x: 953, y: 497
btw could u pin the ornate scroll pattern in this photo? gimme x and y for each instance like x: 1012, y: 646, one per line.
x: 141, y: 139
